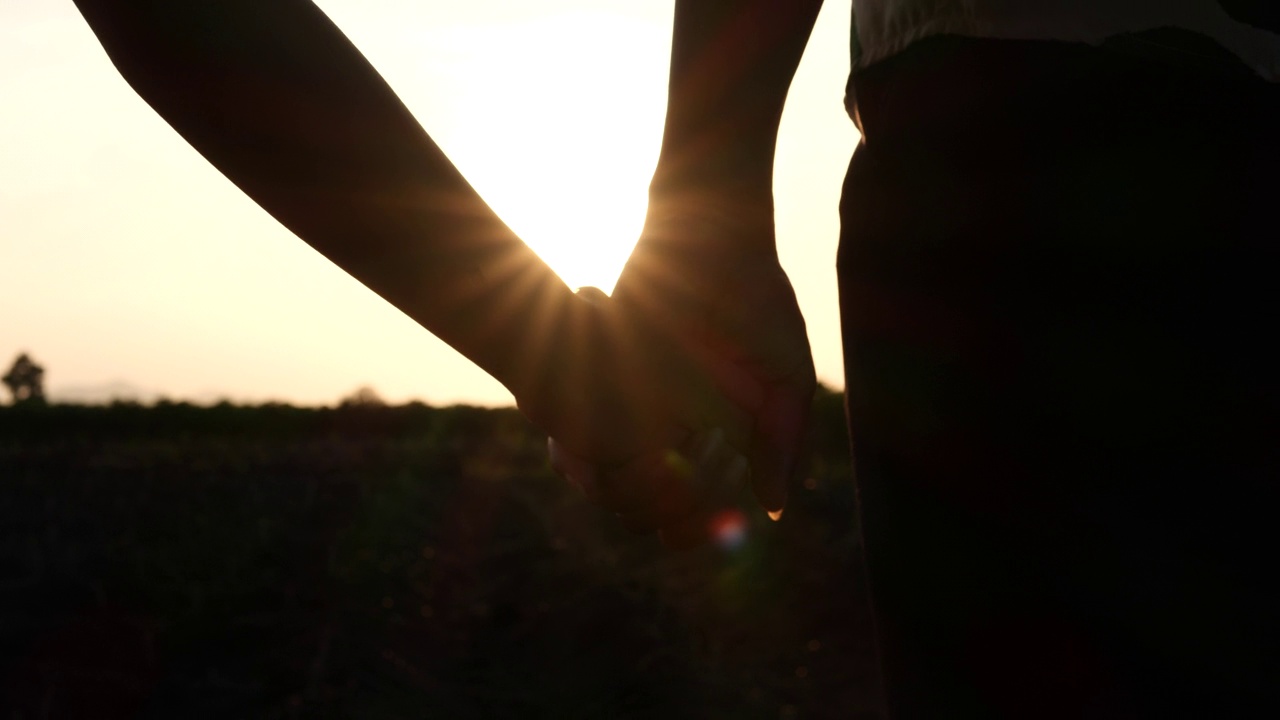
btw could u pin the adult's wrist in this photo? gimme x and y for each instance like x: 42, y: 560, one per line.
x: 723, y: 217
x: 723, y: 165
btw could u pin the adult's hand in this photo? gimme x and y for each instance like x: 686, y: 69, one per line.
x: 714, y: 287
x: 730, y: 311
x: 705, y: 276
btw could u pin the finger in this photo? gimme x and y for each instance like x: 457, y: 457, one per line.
x: 592, y: 294
x: 671, y: 498
x: 701, y: 525
x: 705, y: 523
x: 577, y: 471
x: 676, y: 487
x: 657, y: 479
x: 699, y: 391
x: 600, y: 399
x: 777, y: 444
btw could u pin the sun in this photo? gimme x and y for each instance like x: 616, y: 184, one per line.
x: 578, y: 214
x: 556, y: 122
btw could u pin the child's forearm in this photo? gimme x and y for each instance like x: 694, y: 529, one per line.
x: 276, y: 98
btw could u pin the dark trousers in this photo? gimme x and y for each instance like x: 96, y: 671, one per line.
x: 1058, y: 295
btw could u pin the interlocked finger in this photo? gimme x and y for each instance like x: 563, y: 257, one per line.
x: 698, y: 526
x: 578, y: 472
x: 674, y: 484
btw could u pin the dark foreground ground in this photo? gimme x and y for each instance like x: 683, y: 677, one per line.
x: 396, y: 562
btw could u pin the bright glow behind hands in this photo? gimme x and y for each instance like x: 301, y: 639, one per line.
x: 558, y: 129
x: 140, y: 263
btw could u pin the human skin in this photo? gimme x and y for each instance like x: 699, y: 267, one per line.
x: 705, y: 272
x: 279, y: 101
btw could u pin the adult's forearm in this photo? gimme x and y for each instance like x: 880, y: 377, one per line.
x: 732, y: 62
x: 277, y: 98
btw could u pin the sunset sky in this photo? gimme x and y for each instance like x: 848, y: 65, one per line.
x: 128, y: 259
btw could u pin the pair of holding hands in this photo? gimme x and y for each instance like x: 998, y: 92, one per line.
x: 692, y: 381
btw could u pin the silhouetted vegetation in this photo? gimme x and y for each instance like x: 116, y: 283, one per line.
x: 374, y: 561
x: 25, y: 381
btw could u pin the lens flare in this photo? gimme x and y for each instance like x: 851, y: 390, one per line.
x: 729, y: 529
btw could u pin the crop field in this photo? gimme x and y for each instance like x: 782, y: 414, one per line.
x: 176, y: 561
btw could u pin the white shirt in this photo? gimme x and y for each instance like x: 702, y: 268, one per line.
x: 885, y: 27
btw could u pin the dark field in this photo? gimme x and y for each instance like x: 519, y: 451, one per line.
x: 396, y: 562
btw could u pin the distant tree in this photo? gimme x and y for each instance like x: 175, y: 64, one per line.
x: 364, y: 396
x: 25, y: 381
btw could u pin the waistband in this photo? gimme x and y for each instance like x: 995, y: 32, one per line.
x: 947, y: 78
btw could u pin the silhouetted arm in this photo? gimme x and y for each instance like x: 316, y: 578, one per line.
x: 277, y: 98
x: 732, y: 62
x: 706, y: 266
x: 274, y: 95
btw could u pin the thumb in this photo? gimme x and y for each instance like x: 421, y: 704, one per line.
x: 577, y: 471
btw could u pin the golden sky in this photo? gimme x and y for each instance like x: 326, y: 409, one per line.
x: 128, y: 259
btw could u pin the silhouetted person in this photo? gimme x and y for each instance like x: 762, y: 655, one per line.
x: 25, y: 380
x: 1056, y: 283
x: 1057, y: 276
